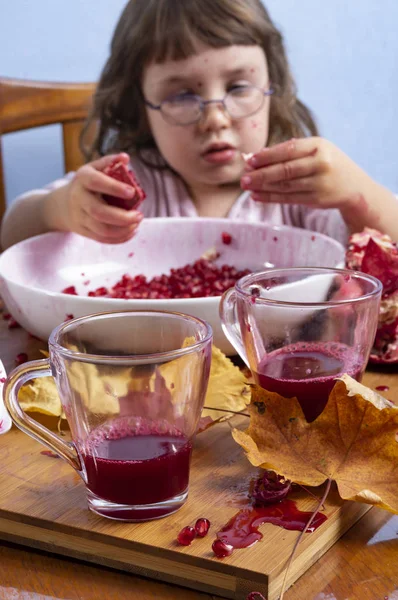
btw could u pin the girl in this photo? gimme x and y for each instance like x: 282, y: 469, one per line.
x: 188, y: 87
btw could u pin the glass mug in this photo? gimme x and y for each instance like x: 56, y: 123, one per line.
x: 299, y: 329
x: 132, y: 386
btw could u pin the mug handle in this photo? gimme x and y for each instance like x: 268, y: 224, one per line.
x: 230, y: 323
x: 17, y: 378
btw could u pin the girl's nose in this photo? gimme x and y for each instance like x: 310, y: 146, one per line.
x: 214, y: 117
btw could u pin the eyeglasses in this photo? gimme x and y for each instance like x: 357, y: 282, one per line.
x: 186, y: 109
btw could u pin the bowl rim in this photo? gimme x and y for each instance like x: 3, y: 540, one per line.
x: 19, y: 246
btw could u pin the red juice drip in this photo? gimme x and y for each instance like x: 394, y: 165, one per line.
x: 242, y: 530
x: 139, y: 467
x: 308, y: 370
x: 382, y: 388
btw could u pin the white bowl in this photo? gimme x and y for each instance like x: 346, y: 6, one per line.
x: 33, y: 272
x: 5, y: 419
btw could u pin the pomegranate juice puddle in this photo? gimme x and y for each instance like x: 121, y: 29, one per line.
x: 242, y: 530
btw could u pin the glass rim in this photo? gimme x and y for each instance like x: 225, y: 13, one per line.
x: 275, y: 272
x: 53, y: 340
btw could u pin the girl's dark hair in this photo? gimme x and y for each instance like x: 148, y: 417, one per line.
x: 158, y: 30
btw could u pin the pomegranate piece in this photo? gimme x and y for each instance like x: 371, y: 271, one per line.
x: 121, y: 172
x: 270, y: 488
x: 221, y: 549
x: 376, y: 254
x: 226, y: 238
x: 186, y: 536
x: 202, y: 527
x: 21, y: 358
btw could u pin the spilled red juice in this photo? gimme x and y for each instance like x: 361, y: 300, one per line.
x: 242, y: 530
x: 308, y: 370
x: 133, y: 465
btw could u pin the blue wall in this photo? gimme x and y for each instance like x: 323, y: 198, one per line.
x: 343, y: 54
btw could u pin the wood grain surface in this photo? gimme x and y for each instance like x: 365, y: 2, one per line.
x: 362, y: 565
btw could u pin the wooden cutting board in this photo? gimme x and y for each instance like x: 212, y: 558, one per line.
x: 42, y: 505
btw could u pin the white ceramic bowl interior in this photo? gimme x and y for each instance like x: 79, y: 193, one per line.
x: 33, y: 272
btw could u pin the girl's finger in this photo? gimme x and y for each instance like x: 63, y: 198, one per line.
x: 104, y: 239
x: 286, y: 151
x: 303, y: 185
x: 96, y: 181
x: 98, y: 209
x: 104, y: 161
x: 309, y: 199
x: 105, y: 231
x: 280, y: 173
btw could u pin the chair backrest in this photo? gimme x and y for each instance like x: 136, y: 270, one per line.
x: 26, y: 104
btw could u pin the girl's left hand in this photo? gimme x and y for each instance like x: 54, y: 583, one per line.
x: 310, y: 171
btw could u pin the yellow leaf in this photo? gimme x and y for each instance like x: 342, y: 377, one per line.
x: 227, y: 387
x: 353, y: 442
x: 40, y: 396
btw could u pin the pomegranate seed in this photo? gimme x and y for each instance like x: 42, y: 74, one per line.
x: 221, y: 549
x: 70, y: 290
x: 200, y: 279
x: 382, y: 388
x: 255, y: 596
x: 202, y: 527
x: 3, y: 379
x: 13, y: 324
x: 6, y: 316
x: 186, y: 536
x: 69, y: 317
x: 226, y: 238
x: 21, y: 358
x: 34, y: 337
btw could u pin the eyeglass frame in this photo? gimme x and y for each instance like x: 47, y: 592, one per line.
x: 204, y: 103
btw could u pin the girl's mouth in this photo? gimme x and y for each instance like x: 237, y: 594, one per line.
x: 219, y: 153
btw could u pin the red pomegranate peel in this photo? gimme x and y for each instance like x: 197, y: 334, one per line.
x: 121, y: 172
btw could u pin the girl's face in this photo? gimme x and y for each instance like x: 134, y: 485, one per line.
x: 208, y: 153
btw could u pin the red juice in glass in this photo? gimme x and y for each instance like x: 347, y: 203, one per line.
x: 144, y: 467
x: 308, y: 370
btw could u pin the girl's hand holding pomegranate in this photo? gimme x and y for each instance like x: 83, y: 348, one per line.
x: 79, y: 206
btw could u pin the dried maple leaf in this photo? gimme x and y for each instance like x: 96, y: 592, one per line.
x: 41, y: 396
x: 227, y: 388
x: 353, y: 442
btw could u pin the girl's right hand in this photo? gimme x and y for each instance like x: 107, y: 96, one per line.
x: 79, y: 207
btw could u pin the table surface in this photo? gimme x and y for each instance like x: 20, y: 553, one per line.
x: 362, y: 565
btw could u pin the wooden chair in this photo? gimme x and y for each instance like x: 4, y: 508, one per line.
x: 26, y: 104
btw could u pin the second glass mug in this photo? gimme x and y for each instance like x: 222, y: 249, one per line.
x: 299, y: 329
x: 132, y: 386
